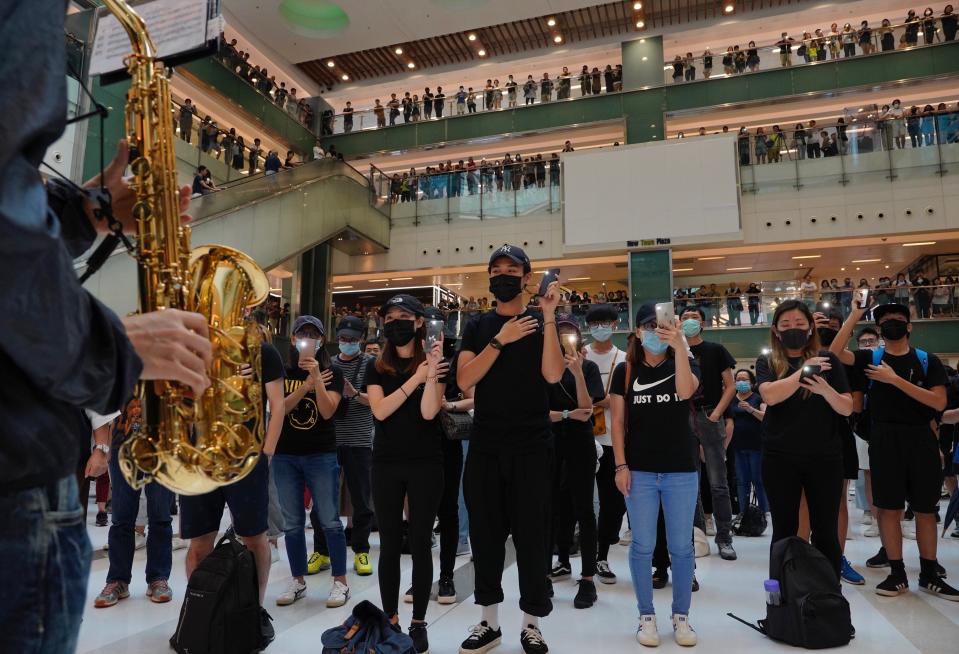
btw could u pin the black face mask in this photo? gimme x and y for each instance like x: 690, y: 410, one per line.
x: 894, y: 329
x: 827, y: 335
x: 399, y: 332
x: 505, y: 287
x: 794, y: 339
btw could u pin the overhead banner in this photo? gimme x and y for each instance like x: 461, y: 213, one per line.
x: 176, y: 27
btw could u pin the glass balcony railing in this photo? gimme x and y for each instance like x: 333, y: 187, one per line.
x: 486, y: 191
x: 578, y: 85
x: 883, y: 144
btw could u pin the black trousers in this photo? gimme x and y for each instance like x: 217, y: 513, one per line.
x: 357, y: 465
x: 573, y: 474
x: 449, y: 511
x: 509, y: 493
x: 786, y: 477
x: 612, y: 505
x: 422, y: 484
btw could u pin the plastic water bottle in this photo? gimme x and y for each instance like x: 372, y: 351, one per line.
x: 773, y: 596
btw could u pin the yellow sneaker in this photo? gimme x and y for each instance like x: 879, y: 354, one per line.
x: 317, y: 563
x: 362, y: 565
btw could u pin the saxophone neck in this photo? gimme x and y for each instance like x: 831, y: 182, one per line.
x: 135, y: 28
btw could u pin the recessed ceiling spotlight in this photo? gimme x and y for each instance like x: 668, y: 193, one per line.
x: 411, y: 65
x: 640, y: 24
x: 471, y: 37
x: 344, y: 77
x: 330, y: 63
x: 729, y: 8
x: 398, y: 51
x: 557, y: 39
x: 482, y: 53
x: 637, y: 6
x: 551, y: 22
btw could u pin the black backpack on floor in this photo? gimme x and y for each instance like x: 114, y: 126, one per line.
x: 221, y: 607
x: 812, y: 612
x: 752, y: 522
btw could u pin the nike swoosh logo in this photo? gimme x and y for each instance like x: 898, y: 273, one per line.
x: 639, y: 388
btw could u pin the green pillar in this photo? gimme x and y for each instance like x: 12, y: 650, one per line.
x: 114, y: 97
x: 644, y: 113
x: 650, y: 278
x: 643, y: 63
x: 315, y: 284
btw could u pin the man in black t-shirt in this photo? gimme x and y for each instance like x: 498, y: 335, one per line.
x: 510, y: 356
x: 717, y: 390
x: 905, y: 393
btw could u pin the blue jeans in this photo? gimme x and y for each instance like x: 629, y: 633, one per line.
x: 463, y: 513
x: 677, y: 491
x: 321, y: 474
x: 43, y: 581
x: 749, y: 470
x: 126, y: 504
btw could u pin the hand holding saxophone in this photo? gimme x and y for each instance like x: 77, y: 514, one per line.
x: 173, y: 345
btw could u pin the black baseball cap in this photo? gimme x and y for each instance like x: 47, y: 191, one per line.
x: 893, y: 307
x: 602, y: 313
x: 301, y: 321
x: 512, y: 252
x: 403, y: 301
x: 432, y: 313
x: 350, y: 326
x: 646, y: 314
x: 567, y: 319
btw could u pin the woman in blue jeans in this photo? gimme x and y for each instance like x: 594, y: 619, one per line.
x: 747, y: 412
x: 654, y: 450
x: 304, y: 455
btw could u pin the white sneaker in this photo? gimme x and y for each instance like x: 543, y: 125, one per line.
x: 339, y: 594
x: 646, y: 633
x: 683, y: 633
x: 867, y: 518
x: 139, y: 540
x: 293, y: 592
x: 871, y: 530
x: 626, y: 538
x: 274, y: 553
x: 710, y: 526
x: 909, y: 530
x: 179, y: 544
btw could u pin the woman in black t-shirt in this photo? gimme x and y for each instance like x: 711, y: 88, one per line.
x: 806, y: 393
x: 406, y: 386
x: 747, y: 414
x: 654, y: 449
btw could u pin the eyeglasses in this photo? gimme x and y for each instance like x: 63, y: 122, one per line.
x: 648, y: 327
x: 868, y: 342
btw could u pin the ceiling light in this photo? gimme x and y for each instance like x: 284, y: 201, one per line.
x: 578, y: 279
x: 482, y: 53
x: 842, y: 270
x: 379, y: 280
x: 729, y: 8
x: 452, y: 284
x: 866, y: 260
x: 912, y: 245
x: 642, y: 40
x: 401, y: 279
x: 330, y: 64
x: 398, y: 51
x: 645, y: 58
x: 341, y: 288
x: 557, y: 39
x: 411, y: 65
x: 709, y: 258
x: 344, y: 77
x: 739, y: 268
x: 551, y: 22
x: 682, y: 269
x: 471, y: 37
x: 637, y: 6
x: 887, y: 266
x: 640, y: 24
x: 808, y: 256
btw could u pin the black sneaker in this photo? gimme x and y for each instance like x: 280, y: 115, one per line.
x: 267, y: 633
x: 418, y: 634
x: 549, y: 588
x: 660, y: 578
x: 408, y: 595
x: 101, y: 518
x: 726, y: 551
x: 937, y: 586
x: 446, y: 591
x: 532, y: 640
x: 695, y: 584
x: 879, y: 561
x: 605, y: 573
x: 560, y: 571
x: 482, y: 639
x: 586, y: 595
x: 893, y: 586
x: 941, y: 571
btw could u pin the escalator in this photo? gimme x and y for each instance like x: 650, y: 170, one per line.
x: 271, y: 218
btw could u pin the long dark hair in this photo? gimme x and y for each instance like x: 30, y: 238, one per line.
x: 779, y: 359
x: 389, y: 361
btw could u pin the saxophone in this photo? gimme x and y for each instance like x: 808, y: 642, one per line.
x: 190, y: 445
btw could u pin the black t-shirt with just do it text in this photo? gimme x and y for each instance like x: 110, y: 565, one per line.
x: 886, y: 403
x: 512, y: 399
x: 804, y: 423
x: 305, y: 430
x: 659, y: 437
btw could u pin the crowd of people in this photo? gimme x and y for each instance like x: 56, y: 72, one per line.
x: 836, y: 42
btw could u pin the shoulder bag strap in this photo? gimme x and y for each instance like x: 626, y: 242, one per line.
x: 609, y: 379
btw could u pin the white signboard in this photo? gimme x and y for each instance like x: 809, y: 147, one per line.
x: 174, y: 25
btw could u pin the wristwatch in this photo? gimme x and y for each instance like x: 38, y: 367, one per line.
x: 495, y: 344
x: 565, y: 414
x: 103, y: 447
